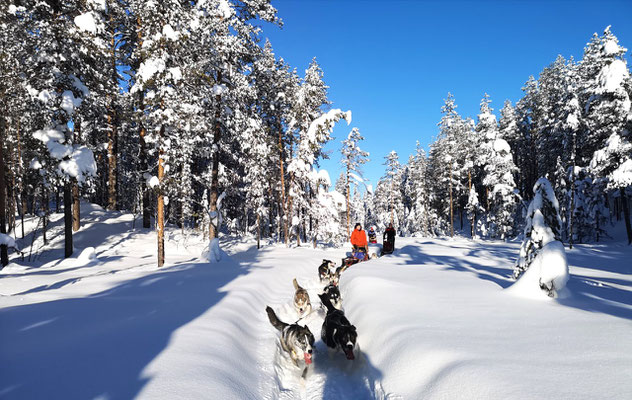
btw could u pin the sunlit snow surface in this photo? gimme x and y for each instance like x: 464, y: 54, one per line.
x: 434, y: 321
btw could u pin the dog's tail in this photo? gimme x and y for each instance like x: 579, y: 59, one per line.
x: 325, y: 300
x: 274, y: 320
x: 296, y: 285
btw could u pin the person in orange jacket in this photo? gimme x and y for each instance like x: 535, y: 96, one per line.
x: 358, y: 237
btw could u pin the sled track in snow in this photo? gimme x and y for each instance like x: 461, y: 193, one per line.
x: 331, y: 376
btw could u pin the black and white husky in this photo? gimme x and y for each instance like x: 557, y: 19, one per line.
x: 302, y: 304
x: 337, y: 331
x: 295, y: 339
x: 333, y: 293
x: 324, y: 271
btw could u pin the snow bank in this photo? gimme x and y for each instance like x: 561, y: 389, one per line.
x: 547, y: 275
x: 88, y: 254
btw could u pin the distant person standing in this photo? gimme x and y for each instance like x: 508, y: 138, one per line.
x: 389, y: 239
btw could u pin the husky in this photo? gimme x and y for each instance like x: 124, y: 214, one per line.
x: 337, y: 331
x: 295, y: 339
x: 333, y: 294
x: 301, y: 300
x: 324, y: 271
x: 335, y: 277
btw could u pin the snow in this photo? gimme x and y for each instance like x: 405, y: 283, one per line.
x: 44, y: 96
x: 169, y: 33
x: 35, y: 164
x: 153, y: 181
x: 225, y: 9
x: 52, y: 138
x: 622, y: 176
x: 433, y: 320
x: 13, y: 10
x: 611, y: 47
x: 147, y: 70
x: 612, y: 76
x: 219, y: 90
x: 549, y: 268
x: 98, y: 3
x: 323, y: 176
x: 6, y: 240
x: 69, y: 102
x: 80, y: 165
x: 501, y: 145
x: 86, y: 22
x: 176, y: 73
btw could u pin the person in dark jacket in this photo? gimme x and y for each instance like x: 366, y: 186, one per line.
x: 389, y: 236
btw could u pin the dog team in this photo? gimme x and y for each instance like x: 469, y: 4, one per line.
x: 337, y: 332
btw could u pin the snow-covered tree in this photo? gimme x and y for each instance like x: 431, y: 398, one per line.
x: 543, y: 225
x: 352, y: 159
x: 542, y: 261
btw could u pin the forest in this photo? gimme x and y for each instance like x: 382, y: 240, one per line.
x: 181, y: 113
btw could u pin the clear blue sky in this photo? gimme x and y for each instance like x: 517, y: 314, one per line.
x: 393, y: 62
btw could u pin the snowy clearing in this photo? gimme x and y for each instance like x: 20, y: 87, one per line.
x: 433, y: 319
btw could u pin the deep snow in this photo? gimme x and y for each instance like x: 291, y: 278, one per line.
x: 434, y: 321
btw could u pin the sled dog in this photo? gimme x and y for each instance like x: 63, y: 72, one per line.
x: 324, y: 271
x: 333, y: 294
x: 295, y: 339
x: 301, y: 300
x: 337, y: 331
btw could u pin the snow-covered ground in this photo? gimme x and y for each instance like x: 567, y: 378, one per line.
x: 434, y: 321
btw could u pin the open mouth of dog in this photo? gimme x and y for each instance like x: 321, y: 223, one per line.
x: 349, y: 354
x: 307, y: 357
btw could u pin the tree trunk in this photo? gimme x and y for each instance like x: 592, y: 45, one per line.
x: 217, y: 131
x: 258, y: 231
x: 112, y: 132
x: 141, y: 141
x: 348, y: 206
x: 22, y: 197
x: 45, y: 210
x: 68, y: 219
x: 4, y: 254
x: 112, y: 155
x: 160, y: 221
x: 626, y: 215
x: 469, y: 188
x: 76, y: 206
x: 451, y: 207
x: 284, y: 218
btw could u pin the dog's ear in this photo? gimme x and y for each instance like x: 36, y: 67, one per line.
x: 353, y: 328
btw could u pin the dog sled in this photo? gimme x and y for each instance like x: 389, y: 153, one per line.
x: 358, y: 254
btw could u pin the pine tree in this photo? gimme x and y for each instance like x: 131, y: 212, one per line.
x: 543, y: 225
x: 352, y: 159
x: 499, y: 169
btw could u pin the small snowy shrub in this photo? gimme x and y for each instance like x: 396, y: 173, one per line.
x: 542, y: 259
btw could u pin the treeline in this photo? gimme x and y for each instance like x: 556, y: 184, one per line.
x: 573, y: 126
x: 172, y: 109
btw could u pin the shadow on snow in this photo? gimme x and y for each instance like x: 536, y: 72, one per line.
x: 87, y: 347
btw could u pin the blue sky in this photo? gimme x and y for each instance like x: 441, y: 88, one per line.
x: 393, y: 62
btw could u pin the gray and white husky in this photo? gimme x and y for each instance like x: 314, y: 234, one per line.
x: 302, y: 303
x: 295, y: 339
